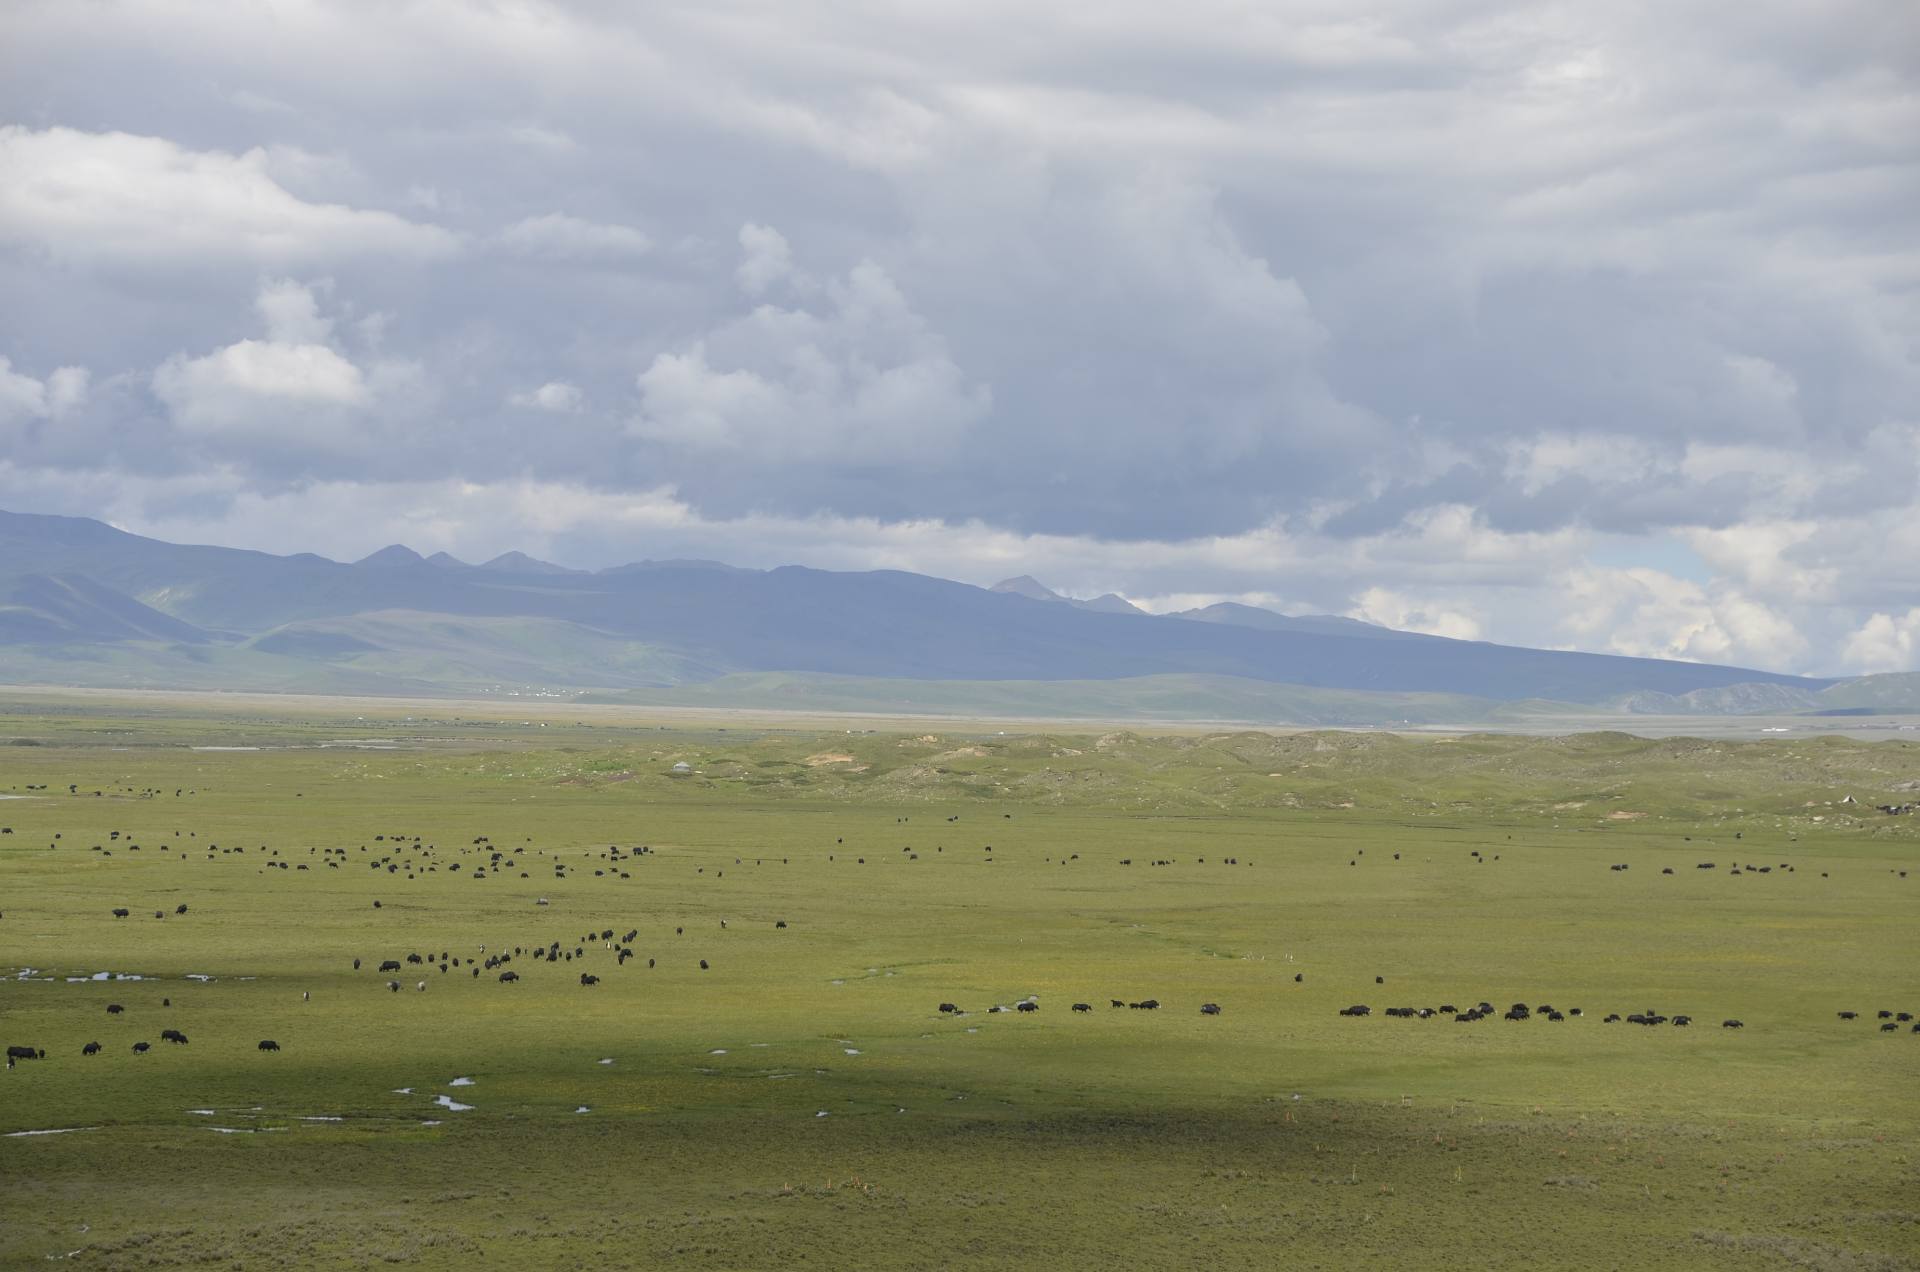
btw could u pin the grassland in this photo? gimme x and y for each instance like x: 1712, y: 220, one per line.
x: 1277, y: 1133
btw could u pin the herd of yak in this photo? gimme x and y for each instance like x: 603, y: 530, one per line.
x: 555, y: 951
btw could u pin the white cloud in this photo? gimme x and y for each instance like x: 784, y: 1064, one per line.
x: 766, y: 258
x: 246, y: 385
x: 85, y: 197
x: 1885, y: 642
x: 1649, y: 613
x: 294, y: 386
x: 292, y: 312
x: 1392, y: 609
x: 555, y: 236
x: 22, y: 397
x: 556, y: 395
x: 67, y: 390
x: 862, y: 381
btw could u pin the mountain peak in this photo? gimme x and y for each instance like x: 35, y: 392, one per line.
x: 1034, y: 590
x: 446, y: 561
x: 1028, y: 586
x: 1234, y: 614
x: 521, y: 563
x: 1109, y: 603
x: 391, y: 555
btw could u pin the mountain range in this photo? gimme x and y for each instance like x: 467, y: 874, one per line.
x: 84, y: 603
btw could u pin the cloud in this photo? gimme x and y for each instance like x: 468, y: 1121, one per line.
x: 120, y: 199
x: 235, y: 387
x: 21, y: 396
x: 1647, y: 613
x: 555, y: 236
x: 555, y: 395
x: 766, y: 258
x: 1391, y: 609
x: 861, y: 380
x: 24, y: 398
x: 293, y: 392
x: 1886, y: 642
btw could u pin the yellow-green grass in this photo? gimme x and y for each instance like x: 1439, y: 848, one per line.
x: 1000, y: 1140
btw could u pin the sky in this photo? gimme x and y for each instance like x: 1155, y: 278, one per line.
x: 1573, y: 325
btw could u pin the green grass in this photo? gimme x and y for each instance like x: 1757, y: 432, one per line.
x: 1161, y: 1139
x: 1165, y: 697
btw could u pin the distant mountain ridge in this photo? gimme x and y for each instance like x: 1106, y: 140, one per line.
x: 1267, y: 620
x: 415, y: 624
x: 1034, y: 590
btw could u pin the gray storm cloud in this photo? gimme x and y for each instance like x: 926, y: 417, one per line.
x: 1560, y: 324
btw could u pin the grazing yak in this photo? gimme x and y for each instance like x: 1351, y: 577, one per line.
x: 1209, y: 1009
x: 1028, y: 1006
x: 1083, y: 1006
x: 91, y: 1049
x: 141, y: 1048
x: 25, y: 1053
x: 172, y: 1035
x: 268, y: 1044
x: 586, y: 979
x: 507, y: 978
x: 114, y: 1009
x: 949, y: 1009
x: 1358, y: 1009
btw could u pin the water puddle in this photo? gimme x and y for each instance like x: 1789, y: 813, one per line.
x: 608, y: 1060
x: 852, y: 1051
x: 461, y: 1082
x: 583, y: 1109
x: 58, y: 1130
x: 448, y: 1102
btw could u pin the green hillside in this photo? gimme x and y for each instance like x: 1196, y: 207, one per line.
x: 1179, y: 697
